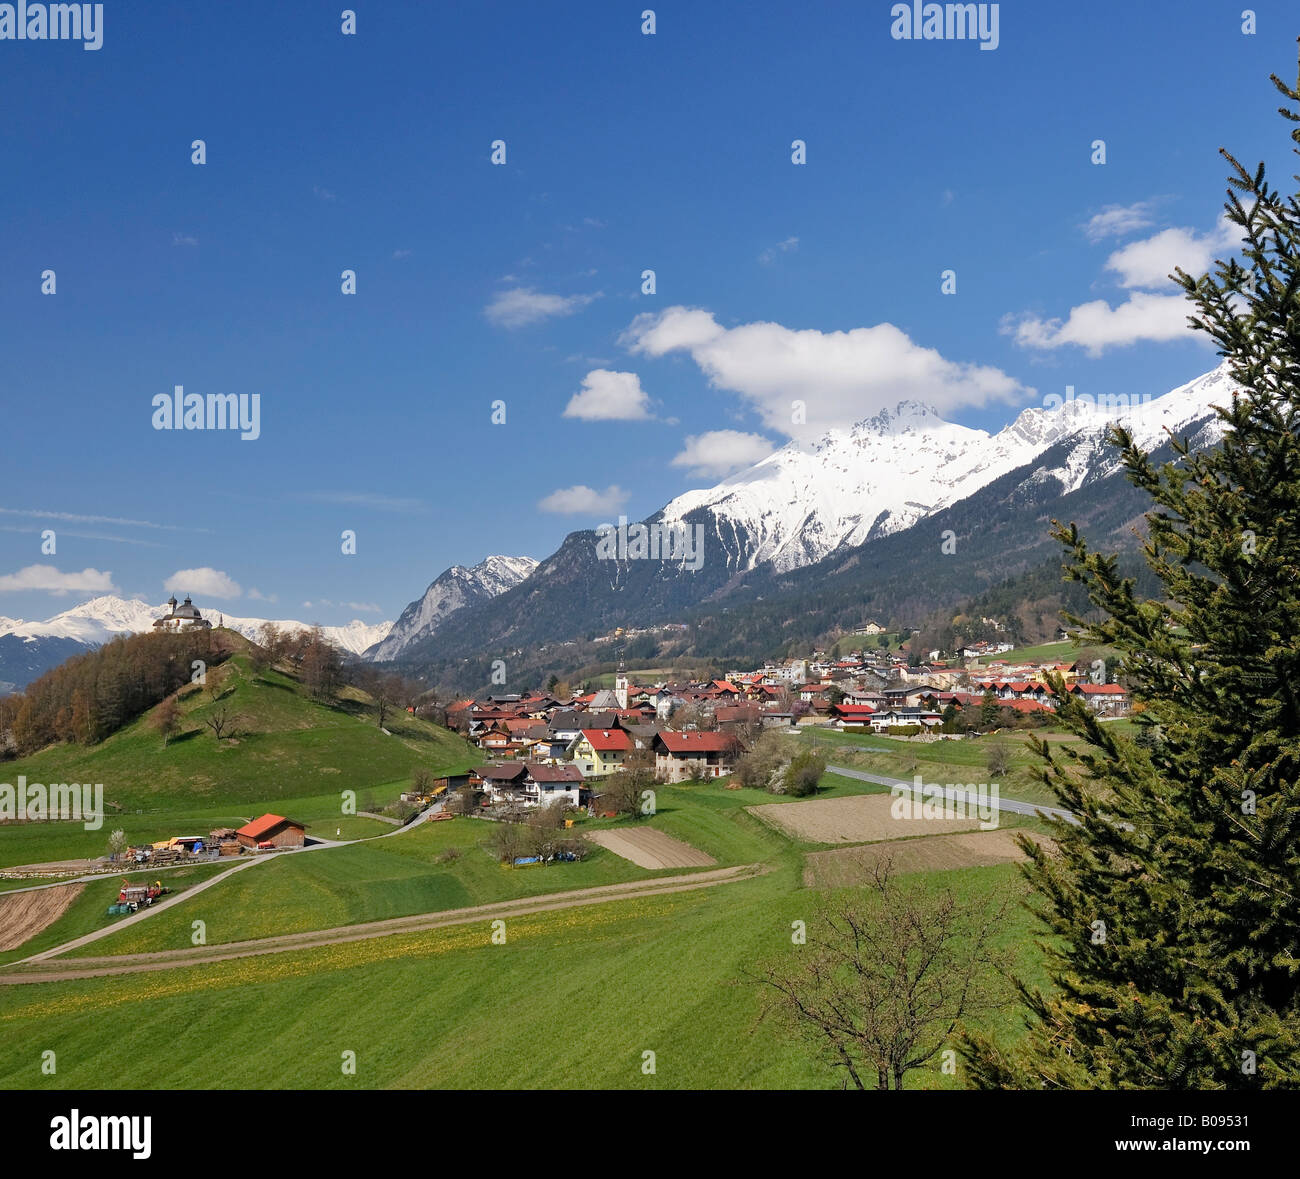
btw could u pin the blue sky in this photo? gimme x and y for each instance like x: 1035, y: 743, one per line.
x: 518, y: 282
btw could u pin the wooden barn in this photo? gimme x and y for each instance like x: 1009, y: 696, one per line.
x: 272, y: 831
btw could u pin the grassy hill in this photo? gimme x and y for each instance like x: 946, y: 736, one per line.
x: 287, y: 753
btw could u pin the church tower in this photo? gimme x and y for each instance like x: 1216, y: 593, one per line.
x: 620, y: 685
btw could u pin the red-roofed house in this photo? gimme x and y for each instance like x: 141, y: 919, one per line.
x: 851, y: 716
x: 597, y: 752
x: 272, y: 831
x: 679, y: 756
x: 1110, y: 698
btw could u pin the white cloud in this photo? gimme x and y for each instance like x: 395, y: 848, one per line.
x: 583, y: 500
x: 1156, y: 309
x: 842, y: 377
x: 1149, y: 262
x: 48, y: 579
x: 521, y: 306
x: 608, y: 396
x: 77, y: 518
x: 768, y: 255
x: 1097, y: 326
x: 719, y: 452
x: 205, y: 581
x: 366, y: 499
x: 1118, y: 220
x: 256, y: 595
x: 184, y: 239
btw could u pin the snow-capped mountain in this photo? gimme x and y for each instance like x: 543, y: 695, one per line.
x: 887, y: 472
x: 97, y: 621
x: 29, y: 649
x: 452, y: 590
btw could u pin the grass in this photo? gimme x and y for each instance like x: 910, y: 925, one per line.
x: 296, y: 757
x: 1066, y: 651
x: 966, y: 759
x: 407, y: 874
x: 35, y: 843
x: 394, y: 877
x: 573, y: 999
x: 89, y: 911
x: 291, y: 746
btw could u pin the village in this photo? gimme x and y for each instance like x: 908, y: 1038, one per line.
x: 542, y: 749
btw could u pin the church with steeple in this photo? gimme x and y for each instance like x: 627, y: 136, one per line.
x: 183, y: 617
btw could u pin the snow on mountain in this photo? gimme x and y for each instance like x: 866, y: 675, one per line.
x: 100, y: 619
x: 889, y: 471
x: 452, y: 590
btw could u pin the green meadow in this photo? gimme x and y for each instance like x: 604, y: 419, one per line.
x: 573, y: 999
x: 289, y: 754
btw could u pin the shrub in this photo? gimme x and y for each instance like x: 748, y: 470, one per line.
x: 803, y: 773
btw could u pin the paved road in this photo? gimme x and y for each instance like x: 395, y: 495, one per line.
x: 1010, y: 805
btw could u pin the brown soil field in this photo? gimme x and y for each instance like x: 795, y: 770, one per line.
x: 649, y: 848
x: 861, y: 818
x: 846, y: 866
x: 23, y: 915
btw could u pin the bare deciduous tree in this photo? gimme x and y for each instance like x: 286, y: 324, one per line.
x: 166, y: 719
x: 220, y: 721
x: 883, y: 982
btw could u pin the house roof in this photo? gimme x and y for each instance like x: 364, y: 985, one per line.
x: 540, y: 772
x: 607, y: 740
x: 696, y: 742
x: 499, y: 773
x: 266, y: 825
x: 1099, y: 689
x: 1025, y: 705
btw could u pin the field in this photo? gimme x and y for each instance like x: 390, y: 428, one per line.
x: 847, y: 866
x: 413, y: 1006
x: 1063, y: 652
x: 432, y: 1001
x: 957, y: 761
x: 23, y: 915
x: 854, y: 820
x: 649, y: 848
x: 88, y: 912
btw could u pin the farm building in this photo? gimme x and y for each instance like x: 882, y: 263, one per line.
x: 273, y: 831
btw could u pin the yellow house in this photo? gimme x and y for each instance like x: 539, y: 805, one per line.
x: 600, y: 751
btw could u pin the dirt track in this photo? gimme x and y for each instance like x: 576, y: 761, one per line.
x: 23, y: 915
x: 50, y: 971
x: 649, y: 848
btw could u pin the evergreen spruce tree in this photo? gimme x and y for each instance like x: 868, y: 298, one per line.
x: 1173, y: 908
